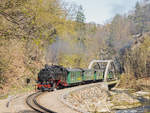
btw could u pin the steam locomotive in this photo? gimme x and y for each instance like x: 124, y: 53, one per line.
x: 54, y: 76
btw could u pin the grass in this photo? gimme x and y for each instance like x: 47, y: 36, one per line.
x: 16, y: 90
x: 3, y: 96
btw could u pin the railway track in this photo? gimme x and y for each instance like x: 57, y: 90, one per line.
x: 32, y: 102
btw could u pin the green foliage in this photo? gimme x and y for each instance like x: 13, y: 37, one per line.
x: 34, y: 19
x: 80, y: 18
x: 74, y: 60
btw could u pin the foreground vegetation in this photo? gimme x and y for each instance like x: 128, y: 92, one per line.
x: 35, y: 32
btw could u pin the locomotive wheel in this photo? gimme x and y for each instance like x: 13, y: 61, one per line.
x: 49, y: 90
x: 60, y: 86
x: 42, y: 89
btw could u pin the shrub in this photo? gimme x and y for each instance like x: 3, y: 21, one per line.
x: 128, y: 81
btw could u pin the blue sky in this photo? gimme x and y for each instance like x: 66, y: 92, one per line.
x: 101, y: 11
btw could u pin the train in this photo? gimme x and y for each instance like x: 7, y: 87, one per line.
x: 52, y: 77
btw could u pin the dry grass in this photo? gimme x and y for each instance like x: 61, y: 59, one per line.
x: 144, y: 83
x: 128, y: 81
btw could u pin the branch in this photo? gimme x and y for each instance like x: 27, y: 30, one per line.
x: 8, y: 17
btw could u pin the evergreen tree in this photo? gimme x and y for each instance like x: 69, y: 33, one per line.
x: 80, y: 15
x: 80, y: 27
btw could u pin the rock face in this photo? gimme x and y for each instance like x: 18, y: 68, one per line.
x: 89, y: 99
x: 97, y: 98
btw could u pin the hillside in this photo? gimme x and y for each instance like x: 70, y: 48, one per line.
x: 36, y: 32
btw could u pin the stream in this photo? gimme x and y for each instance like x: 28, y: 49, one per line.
x: 145, y: 108
x: 142, y: 109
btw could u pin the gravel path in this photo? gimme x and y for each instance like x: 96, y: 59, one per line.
x: 15, y: 104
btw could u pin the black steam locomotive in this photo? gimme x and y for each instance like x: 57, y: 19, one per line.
x: 52, y: 77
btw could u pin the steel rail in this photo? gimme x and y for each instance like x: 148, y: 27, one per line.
x: 31, y: 101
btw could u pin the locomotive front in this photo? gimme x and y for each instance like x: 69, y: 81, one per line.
x: 51, y: 77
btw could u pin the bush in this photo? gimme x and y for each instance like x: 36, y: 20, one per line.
x: 128, y: 81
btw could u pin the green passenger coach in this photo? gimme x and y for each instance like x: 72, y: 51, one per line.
x: 74, y: 76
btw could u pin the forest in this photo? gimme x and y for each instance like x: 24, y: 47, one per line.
x: 38, y: 32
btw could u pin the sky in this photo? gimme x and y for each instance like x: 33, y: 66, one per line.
x: 101, y: 11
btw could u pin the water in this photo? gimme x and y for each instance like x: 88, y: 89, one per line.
x: 143, y: 109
